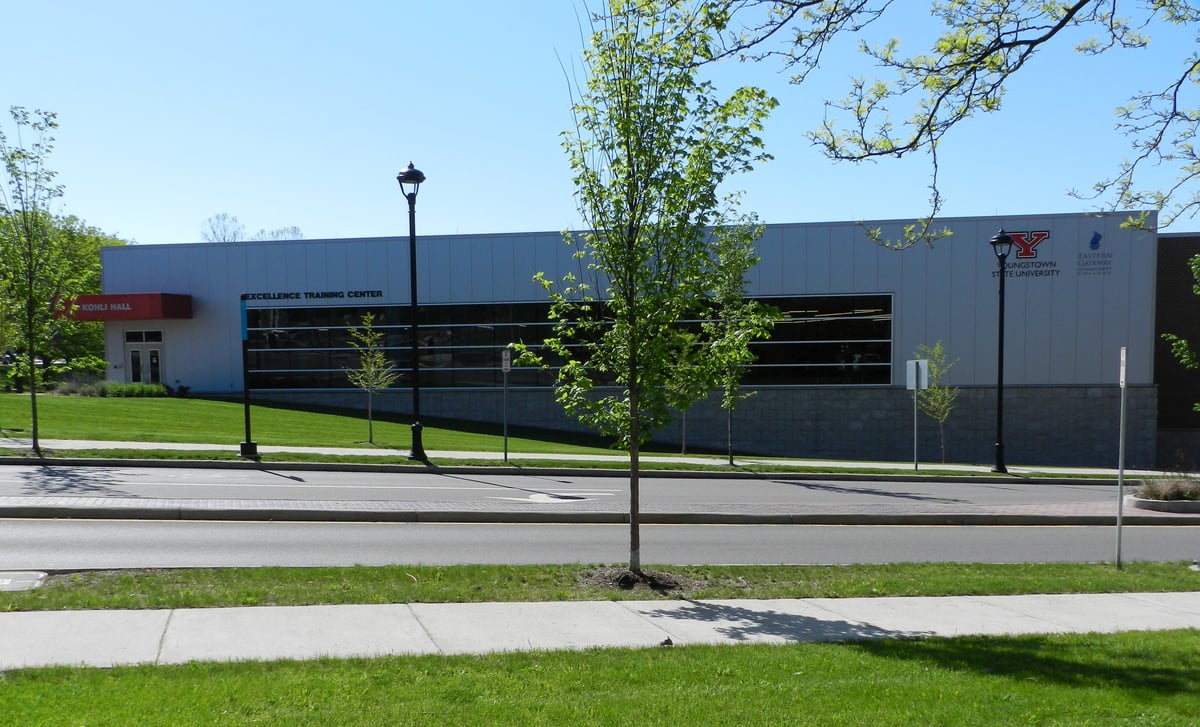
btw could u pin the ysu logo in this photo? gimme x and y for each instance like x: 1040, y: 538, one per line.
x: 1027, y: 241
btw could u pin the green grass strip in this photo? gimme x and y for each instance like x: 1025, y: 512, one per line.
x: 274, y: 586
x: 1131, y: 678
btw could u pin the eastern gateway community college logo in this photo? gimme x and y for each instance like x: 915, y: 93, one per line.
x: 1095, y: 261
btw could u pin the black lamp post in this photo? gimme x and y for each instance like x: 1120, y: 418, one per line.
x: 410, y: 180
x: 1002, y: 244
x: 249, y: 447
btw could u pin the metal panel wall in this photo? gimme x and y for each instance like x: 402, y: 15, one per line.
x: 1079, y: 288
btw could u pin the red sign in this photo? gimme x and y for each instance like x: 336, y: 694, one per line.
x: 1027, y: 241
x: 130, y: 307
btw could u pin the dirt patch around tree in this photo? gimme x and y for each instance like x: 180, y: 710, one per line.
x: 626, y: 580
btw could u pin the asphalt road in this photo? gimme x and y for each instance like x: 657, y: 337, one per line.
x: 488, y: 488
x: 86, y: 544
x: 81, y: 544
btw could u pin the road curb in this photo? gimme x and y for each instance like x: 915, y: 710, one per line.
x: 242, y: 513
x: 511, y: 470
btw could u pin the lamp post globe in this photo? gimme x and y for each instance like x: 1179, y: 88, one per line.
x: 410, y: 181
x: 1001, y: 244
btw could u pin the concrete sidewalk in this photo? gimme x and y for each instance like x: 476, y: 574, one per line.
x: 112, y: 638
x: 449, y: 457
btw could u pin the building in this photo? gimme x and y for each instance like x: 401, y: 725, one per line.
x: 830, y: 382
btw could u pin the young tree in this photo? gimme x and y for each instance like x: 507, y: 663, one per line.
x: 36, y: 271
x: 651, y: 145
x: 375, y: 372
x: 965, y: 72
x: 937, y: 401
x: 739, y: 321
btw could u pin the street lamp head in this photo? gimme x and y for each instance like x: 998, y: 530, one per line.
x: 410, y: 179
x: 1002, y: 243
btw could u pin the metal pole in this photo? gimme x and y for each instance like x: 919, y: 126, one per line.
x: 916, y: 388
x: 505, y: 417
x: 505, y: 367
x: 248, y: 447
x: 1121, y: 463
x: 418, y: 449
x: 1000, y: 379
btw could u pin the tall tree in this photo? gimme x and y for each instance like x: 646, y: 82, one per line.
x: 375, y: 372
x: 281, y: 233
x: 78, y: 346
x: 965, y: 71
x: 651, y: 146
x: 36, y: 273
x: 223, y: 227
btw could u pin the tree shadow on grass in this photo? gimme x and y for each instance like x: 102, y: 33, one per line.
x: 749, y: 625
x: 1141, y: 662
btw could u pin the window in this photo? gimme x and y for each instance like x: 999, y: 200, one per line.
x: 826, y: 340
x: 820, y: 340
x: 143, y: 336
x: 459, y: 345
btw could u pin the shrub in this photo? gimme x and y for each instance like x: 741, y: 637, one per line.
x: 1173, y: 488
x: 79, y: 383
x: 113, y: 389
x: 77, y: 388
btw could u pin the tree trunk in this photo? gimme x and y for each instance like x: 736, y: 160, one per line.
x: 683, y: 432
x: 942, y: 436
x: 729, y: 434
x: 635, y: 436
x: 635, y: 516
x: 33, y: 412
x: 370, y: 421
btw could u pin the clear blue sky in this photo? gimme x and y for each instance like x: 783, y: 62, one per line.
x: 302, y: 113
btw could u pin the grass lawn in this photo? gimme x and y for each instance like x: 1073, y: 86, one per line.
x: 1133, y: 678
x: 1137, y: 678
x: 221, y: 422
x: 207, y: 421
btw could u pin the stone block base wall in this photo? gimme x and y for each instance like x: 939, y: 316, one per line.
x: 1051, y: 426
x: 1179, y: 450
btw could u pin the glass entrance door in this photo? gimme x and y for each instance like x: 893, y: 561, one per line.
x: 145, y: 365
x: 143, y: 357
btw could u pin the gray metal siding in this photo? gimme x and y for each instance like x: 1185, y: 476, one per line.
x: 1063, y: 329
